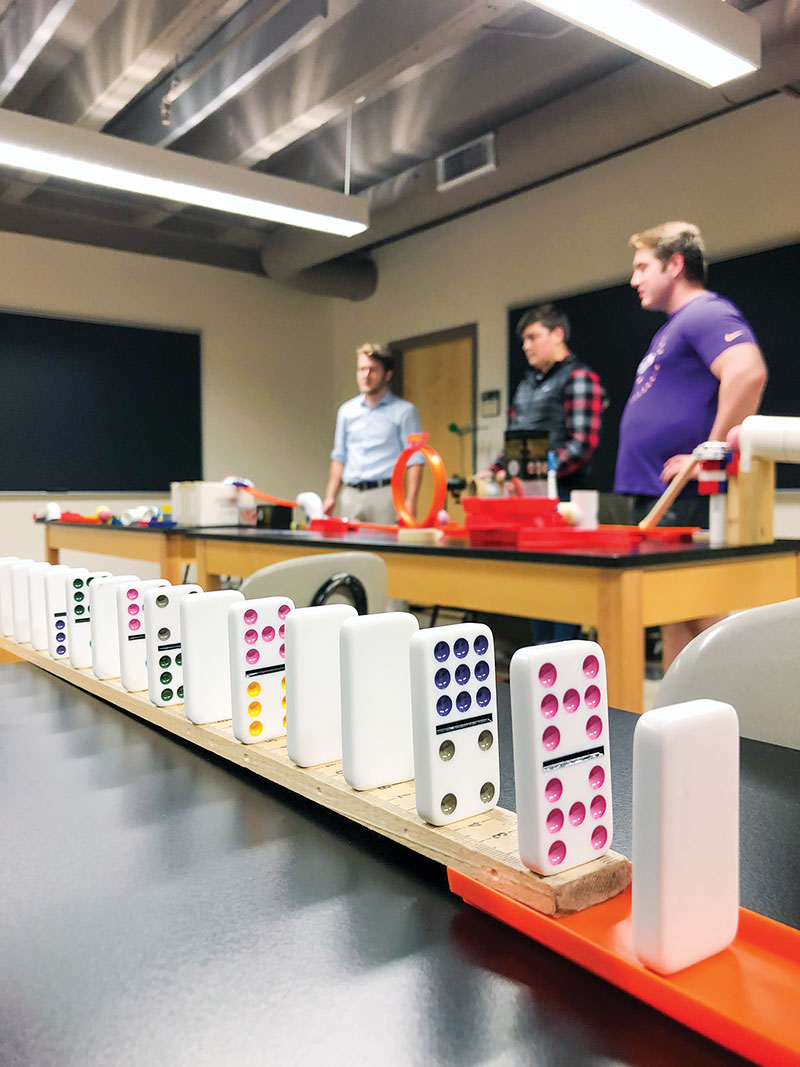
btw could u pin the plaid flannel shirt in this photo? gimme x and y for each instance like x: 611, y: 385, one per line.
x: 584, y: 400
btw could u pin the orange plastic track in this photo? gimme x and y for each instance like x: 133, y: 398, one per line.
x: 746, y: 998
x: 417, y: 443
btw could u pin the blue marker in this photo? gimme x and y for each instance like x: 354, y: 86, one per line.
x: 552, y: 481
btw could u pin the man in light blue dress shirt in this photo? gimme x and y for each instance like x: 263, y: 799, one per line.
x: 372, y: 429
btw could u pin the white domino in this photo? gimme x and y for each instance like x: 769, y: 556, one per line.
x: 36, y: 605
x: 163, y: 645
x: 562, y: 765
x: 79, y: 637
x: 685, y: 833
x: 131, y: 632
x: 6, y: 609
x: 313, y: 706
x: 257, y: 644
x: 20, y: 600
x: 206, y: 666
x: 454, y: 716
x: 377, y: 737
x: 103, y: 624
x: 55, y: 602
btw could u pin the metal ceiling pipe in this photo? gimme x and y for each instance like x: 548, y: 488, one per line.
x: 353, y: 277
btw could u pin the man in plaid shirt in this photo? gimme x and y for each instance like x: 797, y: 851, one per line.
x: 564, y: 399
x: 558, y: 396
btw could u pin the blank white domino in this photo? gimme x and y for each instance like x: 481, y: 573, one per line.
x: 685, y: 833
x: 454, y: 716
x: 257, y: 645
x: 103, y: 624
x: 313, y: 703
x: 6, y: 611
x: 55, y: 603
x: 20, y: 600
x: 377, y: 738
x: 36, y: 605
x: 79, y: 637
x: 562, y: 766
x: 206, y: 666
x: 131, y: 632
x: 162, y: 623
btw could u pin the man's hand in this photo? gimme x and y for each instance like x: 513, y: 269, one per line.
x: 673, y: 466
x: 328, y: 504
x: 411, y: 507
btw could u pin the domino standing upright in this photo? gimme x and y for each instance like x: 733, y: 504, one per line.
x: 131, y: 632
x: 36, y: 605
x: 55, y: 603
x: 79, y: 637
x: 103, y: 624
x: 162, y: 623
x: 6, y: 609
x: 562, y: 765
x: 206, y: 659
x: 454, y: 715
x: 20, y: 599
x: 685, y: 903
x: 313, y: 702
x: 257, y: 641
x: 377, y: 741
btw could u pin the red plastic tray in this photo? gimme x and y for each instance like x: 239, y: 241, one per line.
x: 601, y: 537
x: 521, y: 510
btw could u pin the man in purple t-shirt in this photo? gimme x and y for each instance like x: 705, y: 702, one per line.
x: 703, y: 373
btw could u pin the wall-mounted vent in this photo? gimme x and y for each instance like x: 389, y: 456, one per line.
x: 466, y: 162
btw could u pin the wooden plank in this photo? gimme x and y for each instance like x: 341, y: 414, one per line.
x: 672, y: 594
x: 620, y: 633
x: 484, y: 848
x: 543, y: 590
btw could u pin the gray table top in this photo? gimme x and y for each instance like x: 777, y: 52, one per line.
x: 159, y: 906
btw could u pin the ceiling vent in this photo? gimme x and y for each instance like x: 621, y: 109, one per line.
x: 465, y: 162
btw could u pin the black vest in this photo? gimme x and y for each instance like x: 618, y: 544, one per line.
x: 538, y: 405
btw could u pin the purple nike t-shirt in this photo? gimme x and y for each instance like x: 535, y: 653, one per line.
x: 673, y: 402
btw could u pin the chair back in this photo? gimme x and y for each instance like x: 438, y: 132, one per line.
x: 357, y: 578
x: 749, y: 660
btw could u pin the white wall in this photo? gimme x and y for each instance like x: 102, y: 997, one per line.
x: 266, y: 367
x: 735, y: 176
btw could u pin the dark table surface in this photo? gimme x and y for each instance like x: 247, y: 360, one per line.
x: 646, y: 554
x: 159, y: 906
x: 643, y: 555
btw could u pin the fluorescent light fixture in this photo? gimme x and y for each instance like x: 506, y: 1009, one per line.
x: 706, y: 40
x: 61, y: 151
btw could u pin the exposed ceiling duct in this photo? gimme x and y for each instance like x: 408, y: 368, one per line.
x: 276, y: 85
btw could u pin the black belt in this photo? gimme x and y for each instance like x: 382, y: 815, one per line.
x: 361, y: 486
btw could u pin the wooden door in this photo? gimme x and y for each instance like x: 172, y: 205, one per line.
x: 438, y: 378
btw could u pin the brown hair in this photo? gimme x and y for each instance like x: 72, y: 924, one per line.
x: 676, y: 238
x: 548, y: 315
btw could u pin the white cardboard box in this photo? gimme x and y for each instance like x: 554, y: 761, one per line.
x: 205, y: 503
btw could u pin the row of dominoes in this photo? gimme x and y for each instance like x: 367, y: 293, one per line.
x: 394, y: 703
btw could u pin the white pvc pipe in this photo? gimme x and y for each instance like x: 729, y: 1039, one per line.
x: 774, y: 437
x: 717, y: 513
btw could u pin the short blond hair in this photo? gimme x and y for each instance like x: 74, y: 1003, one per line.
x: 378, y: 352
x: 676, y: 238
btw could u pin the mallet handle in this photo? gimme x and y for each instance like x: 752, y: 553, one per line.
x: 678, y: 482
